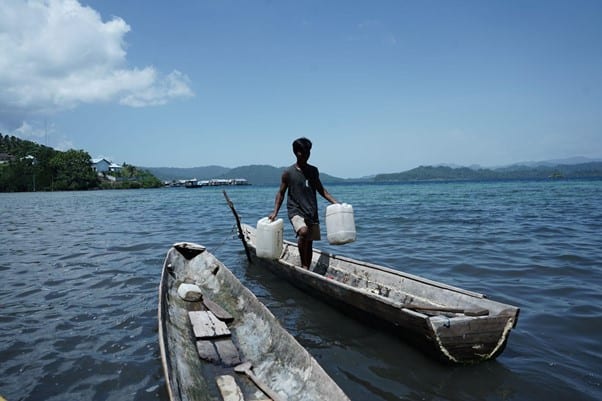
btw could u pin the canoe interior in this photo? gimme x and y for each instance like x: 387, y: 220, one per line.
x: 277, y: 358
x: 447, y: 331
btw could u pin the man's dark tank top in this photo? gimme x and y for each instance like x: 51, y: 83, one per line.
x: 301, y: 199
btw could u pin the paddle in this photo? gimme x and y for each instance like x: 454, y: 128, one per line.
x: 246, y: 369
x: 467, y: 312
x: 242, y: 238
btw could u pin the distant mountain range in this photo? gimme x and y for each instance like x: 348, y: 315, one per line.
x: 270, y: 175
x: 255, y: 174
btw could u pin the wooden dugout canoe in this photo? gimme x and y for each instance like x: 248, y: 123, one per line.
x: 450, y: 323
x: 254, y: 335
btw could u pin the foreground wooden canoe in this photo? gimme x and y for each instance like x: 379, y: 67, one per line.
x: 450, y: 323
x: 201, y: 365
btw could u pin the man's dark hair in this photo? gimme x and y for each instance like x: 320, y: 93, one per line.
x: 302, y: 145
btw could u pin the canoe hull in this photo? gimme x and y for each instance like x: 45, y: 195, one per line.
x: 378, y: 292
x: 277, y: 358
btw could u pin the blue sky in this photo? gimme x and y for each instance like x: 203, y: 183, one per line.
x: 378, y: 86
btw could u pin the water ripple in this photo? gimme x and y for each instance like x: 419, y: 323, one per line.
x: 81, y: 269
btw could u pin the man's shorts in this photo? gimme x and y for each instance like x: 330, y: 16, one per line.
x: 299, y: 222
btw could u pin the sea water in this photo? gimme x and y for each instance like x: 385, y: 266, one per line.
x: 80, y: 274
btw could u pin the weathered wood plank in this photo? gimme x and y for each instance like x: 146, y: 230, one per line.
x: 206, y: 325
x: 227, y: 351
x: 207, y: 351
x: 229, y: 389
x: 218, y: 311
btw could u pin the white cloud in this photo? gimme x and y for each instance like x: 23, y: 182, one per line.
x: 45, y: 134
x: 28, y: 132
x: 56, y: 54
x: 173, y: 86
x: 63, y: 144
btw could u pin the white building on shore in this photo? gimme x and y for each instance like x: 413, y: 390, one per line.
x: 103, y: 165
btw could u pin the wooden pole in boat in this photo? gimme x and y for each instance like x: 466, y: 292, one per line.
x: 242, y: 238
x: 467, y: 312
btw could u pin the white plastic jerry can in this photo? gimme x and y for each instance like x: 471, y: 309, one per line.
x: 340, y: 224
x: 268, y: 238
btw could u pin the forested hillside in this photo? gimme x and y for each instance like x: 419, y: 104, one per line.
x: 255, y: 174
x: 269, y: 175
x: 444, y: 173
x: 28, y: 166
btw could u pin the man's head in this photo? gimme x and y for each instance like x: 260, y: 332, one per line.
x: 302, y: 148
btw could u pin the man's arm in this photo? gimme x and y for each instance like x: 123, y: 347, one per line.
x: 324, y: 192
x: 280, y: 196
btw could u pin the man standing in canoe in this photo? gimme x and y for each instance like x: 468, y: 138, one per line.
x: 302, y: 180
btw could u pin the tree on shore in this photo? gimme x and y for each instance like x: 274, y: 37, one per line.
x: 28, y: 166
x: 132, y: 177
x: 73, y: 170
